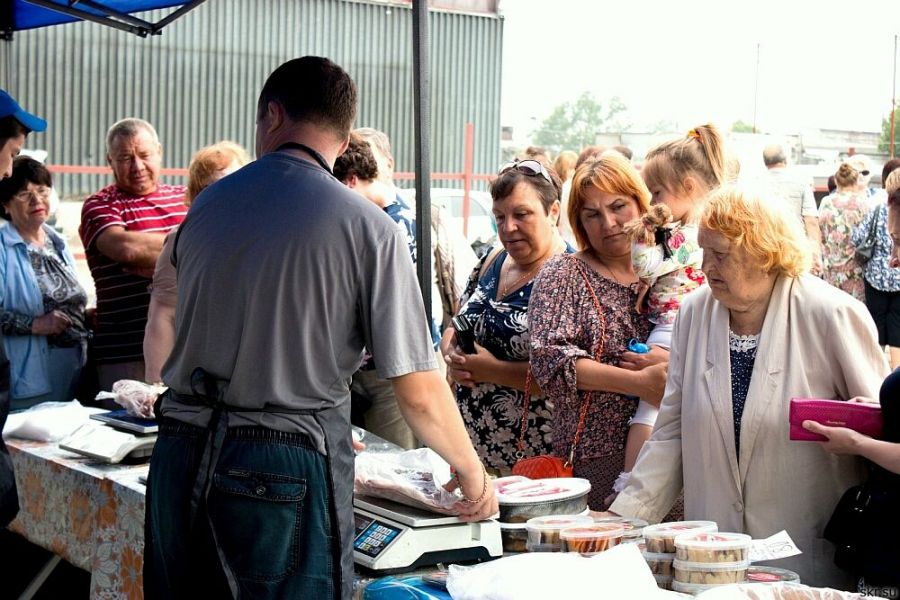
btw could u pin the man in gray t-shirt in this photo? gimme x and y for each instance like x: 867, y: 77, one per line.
x: 284, y: 277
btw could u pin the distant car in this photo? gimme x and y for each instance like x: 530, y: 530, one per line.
x: 482, y: 228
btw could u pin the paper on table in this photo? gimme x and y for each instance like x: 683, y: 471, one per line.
x: 777, y: 546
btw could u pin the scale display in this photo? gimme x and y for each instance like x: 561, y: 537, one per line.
x: 372, y: 536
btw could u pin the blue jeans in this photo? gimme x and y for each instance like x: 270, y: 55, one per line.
x: 267, y: 514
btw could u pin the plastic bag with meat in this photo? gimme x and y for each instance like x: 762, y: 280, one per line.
x: 136, y: 397
x: 412, y: 477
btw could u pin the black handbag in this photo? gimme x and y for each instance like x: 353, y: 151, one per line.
x: 866, y: 249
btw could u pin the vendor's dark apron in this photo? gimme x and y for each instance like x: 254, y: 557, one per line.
x: 9, y: 496
x: 210, y: 391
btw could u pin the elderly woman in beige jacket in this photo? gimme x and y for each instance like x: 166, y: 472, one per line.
x: 762, y: 332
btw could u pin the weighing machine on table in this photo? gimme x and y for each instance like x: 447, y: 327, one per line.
x: 392, y: 537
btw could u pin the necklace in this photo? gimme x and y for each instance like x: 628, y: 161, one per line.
x: 511, y: 286
x: 605, y: 266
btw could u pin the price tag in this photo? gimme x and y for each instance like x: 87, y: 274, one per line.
x: 777, y: 546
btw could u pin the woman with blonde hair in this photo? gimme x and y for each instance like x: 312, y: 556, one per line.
x: 761, y: 332
x: 208, y: 165
x: 578, y: 342
x: 839, y: 214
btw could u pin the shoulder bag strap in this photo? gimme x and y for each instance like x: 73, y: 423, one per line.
x: 598, y: 354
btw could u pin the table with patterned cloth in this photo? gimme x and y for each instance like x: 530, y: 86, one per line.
x: 88, y: 512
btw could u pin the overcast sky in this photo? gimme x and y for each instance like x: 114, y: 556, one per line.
x: 823, y: 64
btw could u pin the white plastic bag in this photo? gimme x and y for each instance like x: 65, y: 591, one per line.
x: 619, y: 572
x: 412, y: 477
x: 48, y: 421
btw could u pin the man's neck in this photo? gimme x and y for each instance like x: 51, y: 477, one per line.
x: 308, y: 135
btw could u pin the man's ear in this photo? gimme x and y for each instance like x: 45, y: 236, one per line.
x: 275, y: 115
x: 344, y: 145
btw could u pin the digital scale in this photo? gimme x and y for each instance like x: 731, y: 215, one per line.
x: 391, y: 537
x: 107, y: 444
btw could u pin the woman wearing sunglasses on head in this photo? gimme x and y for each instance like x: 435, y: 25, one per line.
x: 488, y: 357
x: 582, y: 318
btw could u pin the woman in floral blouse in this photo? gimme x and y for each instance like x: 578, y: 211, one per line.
x: 882, y: 283
x: 490, y: 384
x: 568, y: 330
x: 839, y: 214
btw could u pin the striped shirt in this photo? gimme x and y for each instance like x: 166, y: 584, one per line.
x: 123, y: 299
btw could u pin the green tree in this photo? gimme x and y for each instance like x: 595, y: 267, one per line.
x: 885, y: 144
x: 741, y: 127
x: 574, y: 125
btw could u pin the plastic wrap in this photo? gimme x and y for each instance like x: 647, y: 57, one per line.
x: 779, y: 591
x: 136, y: 397
x: 411, y: 477
x: 48, y: 421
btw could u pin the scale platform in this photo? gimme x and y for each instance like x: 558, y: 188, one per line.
x: 392, y: 538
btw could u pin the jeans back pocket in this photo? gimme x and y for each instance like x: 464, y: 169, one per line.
x: 257, y: 519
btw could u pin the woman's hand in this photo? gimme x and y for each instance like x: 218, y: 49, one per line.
x: 637, y: 362
x: 653, y: 383
x: 840, y: 439
x: 469, y: 369
x: 52, y: 323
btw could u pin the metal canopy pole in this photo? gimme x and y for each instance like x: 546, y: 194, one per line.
x: 422, y: 124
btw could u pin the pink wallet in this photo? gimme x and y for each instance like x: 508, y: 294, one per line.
x: 862, y: 417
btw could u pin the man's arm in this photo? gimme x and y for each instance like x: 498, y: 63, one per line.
x: 427, y: 404
x: 134, y: 249
x: 159, y: 338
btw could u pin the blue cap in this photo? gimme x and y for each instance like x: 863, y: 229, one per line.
x: 10, y: 108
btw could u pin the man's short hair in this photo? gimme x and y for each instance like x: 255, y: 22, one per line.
x: 357, y: 160
x: 773, y: 155
x: 376, y: 138
x: 10, y: 127
x: 128, y: 128
x: 314, y: 90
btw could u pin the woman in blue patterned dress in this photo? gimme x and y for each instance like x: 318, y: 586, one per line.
x: 490, y: 384
x: 882, y: 283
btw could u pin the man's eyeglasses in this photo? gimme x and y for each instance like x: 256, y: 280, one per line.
x: 528, y: 167
x: 42, y: 193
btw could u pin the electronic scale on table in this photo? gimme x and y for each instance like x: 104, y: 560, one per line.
x: 108, y: 443
x: 391, y: 537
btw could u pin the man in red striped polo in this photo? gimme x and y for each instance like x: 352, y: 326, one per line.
x: 123, y: 227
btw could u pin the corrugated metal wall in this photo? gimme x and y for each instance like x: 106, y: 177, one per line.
x: 198, y: 82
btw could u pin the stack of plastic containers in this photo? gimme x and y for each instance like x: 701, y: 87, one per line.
x: 659, y: 546
x: 592, y: 539
x: 633, y: 527
x: 543, y: 532
x: 706, y: 560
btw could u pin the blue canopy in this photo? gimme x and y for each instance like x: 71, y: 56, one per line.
x: 30, y: 14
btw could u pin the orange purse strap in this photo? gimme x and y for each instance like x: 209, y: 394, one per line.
x: 598, y: 354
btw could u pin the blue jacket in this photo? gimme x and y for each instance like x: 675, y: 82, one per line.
x: 28, y: 354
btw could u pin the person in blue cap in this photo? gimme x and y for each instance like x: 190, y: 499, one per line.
x: 15, y: 125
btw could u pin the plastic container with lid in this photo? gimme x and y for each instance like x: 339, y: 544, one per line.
x: 521, y: 498
x: 710, y: 573
x: 661, y: 538
x: 660, y: 563
x: 663, y: 581
x: 543, y: 532
x: 763, y: 574
x: 713, y: 547
x: 514, y: 537
x: 633, y: 527
x: 592, y: 539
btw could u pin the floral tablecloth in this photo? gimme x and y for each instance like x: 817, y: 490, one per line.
x: 88, y: 512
